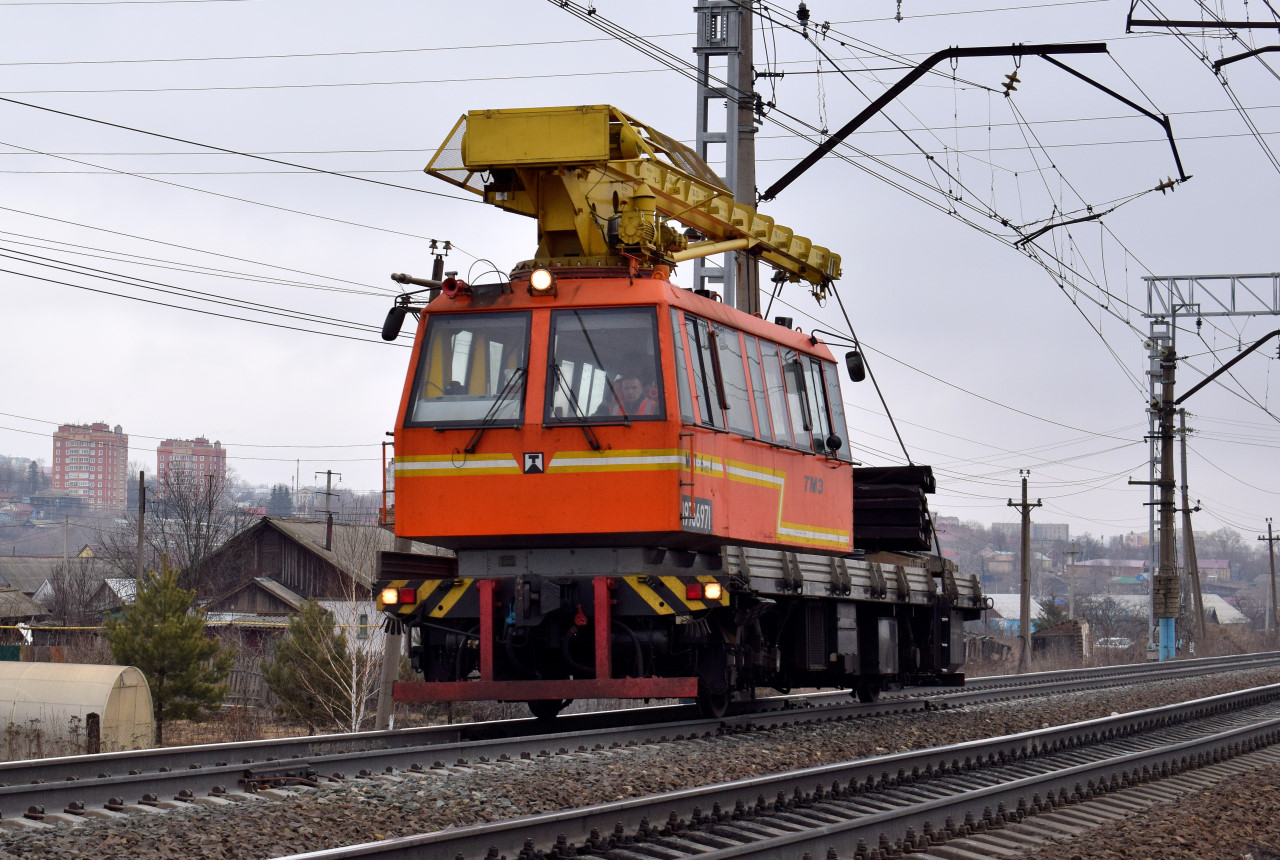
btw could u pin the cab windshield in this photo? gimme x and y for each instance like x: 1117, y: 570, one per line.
x: 604, y: 366
x: 472, y: 370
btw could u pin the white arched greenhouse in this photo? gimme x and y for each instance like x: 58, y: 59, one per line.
x: 67, y: 708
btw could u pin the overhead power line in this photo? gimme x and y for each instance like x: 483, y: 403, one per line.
x: 223, y: 149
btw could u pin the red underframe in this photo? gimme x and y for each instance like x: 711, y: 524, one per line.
x: 600, y: 687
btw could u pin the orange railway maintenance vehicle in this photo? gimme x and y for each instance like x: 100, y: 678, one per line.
x: 649, y: 494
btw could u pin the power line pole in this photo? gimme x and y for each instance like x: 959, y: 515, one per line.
x: 208, y: 525
x: 724, y: 30
x: 1165, y: 593
x: 1168, y: 298
x: 1024, y: 607
x: 328, y: 504
x: 1189, y: 539
x: 142, y: 517
x: 1071, y: 582
x: 1271, y: 553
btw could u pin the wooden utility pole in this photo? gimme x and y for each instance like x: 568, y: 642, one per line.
x: 1188, y: 539
x: 1271, y: 552
x: 393, y: 646
x: 142, y: 519
x: 1071, y: 582
x: 1024, y: 608
x: 328, y: 504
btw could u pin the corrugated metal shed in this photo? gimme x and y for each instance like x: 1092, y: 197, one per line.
x: 50, y: 695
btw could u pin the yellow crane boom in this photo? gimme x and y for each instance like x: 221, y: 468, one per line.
x: 604, y: 186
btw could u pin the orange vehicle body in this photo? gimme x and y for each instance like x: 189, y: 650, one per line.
x: 678, y: 481
x: 649, y: 494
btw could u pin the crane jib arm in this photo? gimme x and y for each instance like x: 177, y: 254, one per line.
x: 602, y: 184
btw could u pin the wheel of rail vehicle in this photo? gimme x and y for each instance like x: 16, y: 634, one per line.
x: 866, y: 691
x: 712, y: 705
x: 547, y: 709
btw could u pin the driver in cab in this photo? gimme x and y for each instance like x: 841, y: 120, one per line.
x: 633, y: 397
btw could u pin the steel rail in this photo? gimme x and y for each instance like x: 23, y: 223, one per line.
x: 182, y: 774
x: 901, y: 796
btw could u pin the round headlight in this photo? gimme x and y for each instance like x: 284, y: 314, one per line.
x: 541, y: 282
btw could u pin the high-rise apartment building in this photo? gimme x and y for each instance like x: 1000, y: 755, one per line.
x: 195, y: 456
x: 92, y: 461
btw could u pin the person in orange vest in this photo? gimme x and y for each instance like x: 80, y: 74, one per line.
x: 634, y: 397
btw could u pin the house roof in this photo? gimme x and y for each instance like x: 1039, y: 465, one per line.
x: 1008, y: 605
x: 246, y: 619
x: 310, y: 534
x: 1137, y: 604
x: 15, y: 604
x: 124, y: 589
x: 1227, y: 614
x: 28, y: 572
x: 1135, y: 563
x: 285, y: 595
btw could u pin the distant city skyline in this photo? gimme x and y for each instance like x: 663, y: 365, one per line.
x: 994, y: 244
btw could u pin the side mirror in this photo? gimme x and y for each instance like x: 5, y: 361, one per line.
x: 395, y: 319
x: 856, y: 366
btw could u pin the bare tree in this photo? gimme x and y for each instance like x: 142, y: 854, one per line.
x: 71, y: 608
x: 189, y: 516
x: 326, y: 672
x: 356, y: 548
x: 73, y: 585
x: 1107, y: 617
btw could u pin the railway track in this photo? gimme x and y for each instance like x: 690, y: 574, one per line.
x: 83, y: 786
x: 939, y: 802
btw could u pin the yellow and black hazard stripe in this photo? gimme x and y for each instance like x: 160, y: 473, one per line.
x: 434, y: 598
x: 665, y: 595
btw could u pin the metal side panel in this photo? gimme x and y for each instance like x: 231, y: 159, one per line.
x: 809, y: 575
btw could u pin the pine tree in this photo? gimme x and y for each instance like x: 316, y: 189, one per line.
x: 307, y: 671
x: 281, y: 502
x: 35, y: 478
x: 164, y: 638
x: 1051, y: 613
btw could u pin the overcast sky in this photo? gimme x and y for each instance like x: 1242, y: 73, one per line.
x: 989, y: 360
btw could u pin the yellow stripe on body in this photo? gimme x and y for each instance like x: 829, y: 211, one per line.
x: 747, y: 473
x: 452, y: 597
x: 447, y: 465
x: 705, y: 465
x: 637, y: 460
x: 649, y: 596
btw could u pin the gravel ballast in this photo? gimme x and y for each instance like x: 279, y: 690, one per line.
x: 1229, y: 821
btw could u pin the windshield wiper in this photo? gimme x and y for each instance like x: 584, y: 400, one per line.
x: 516, y: 379
x: 577, y: 410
